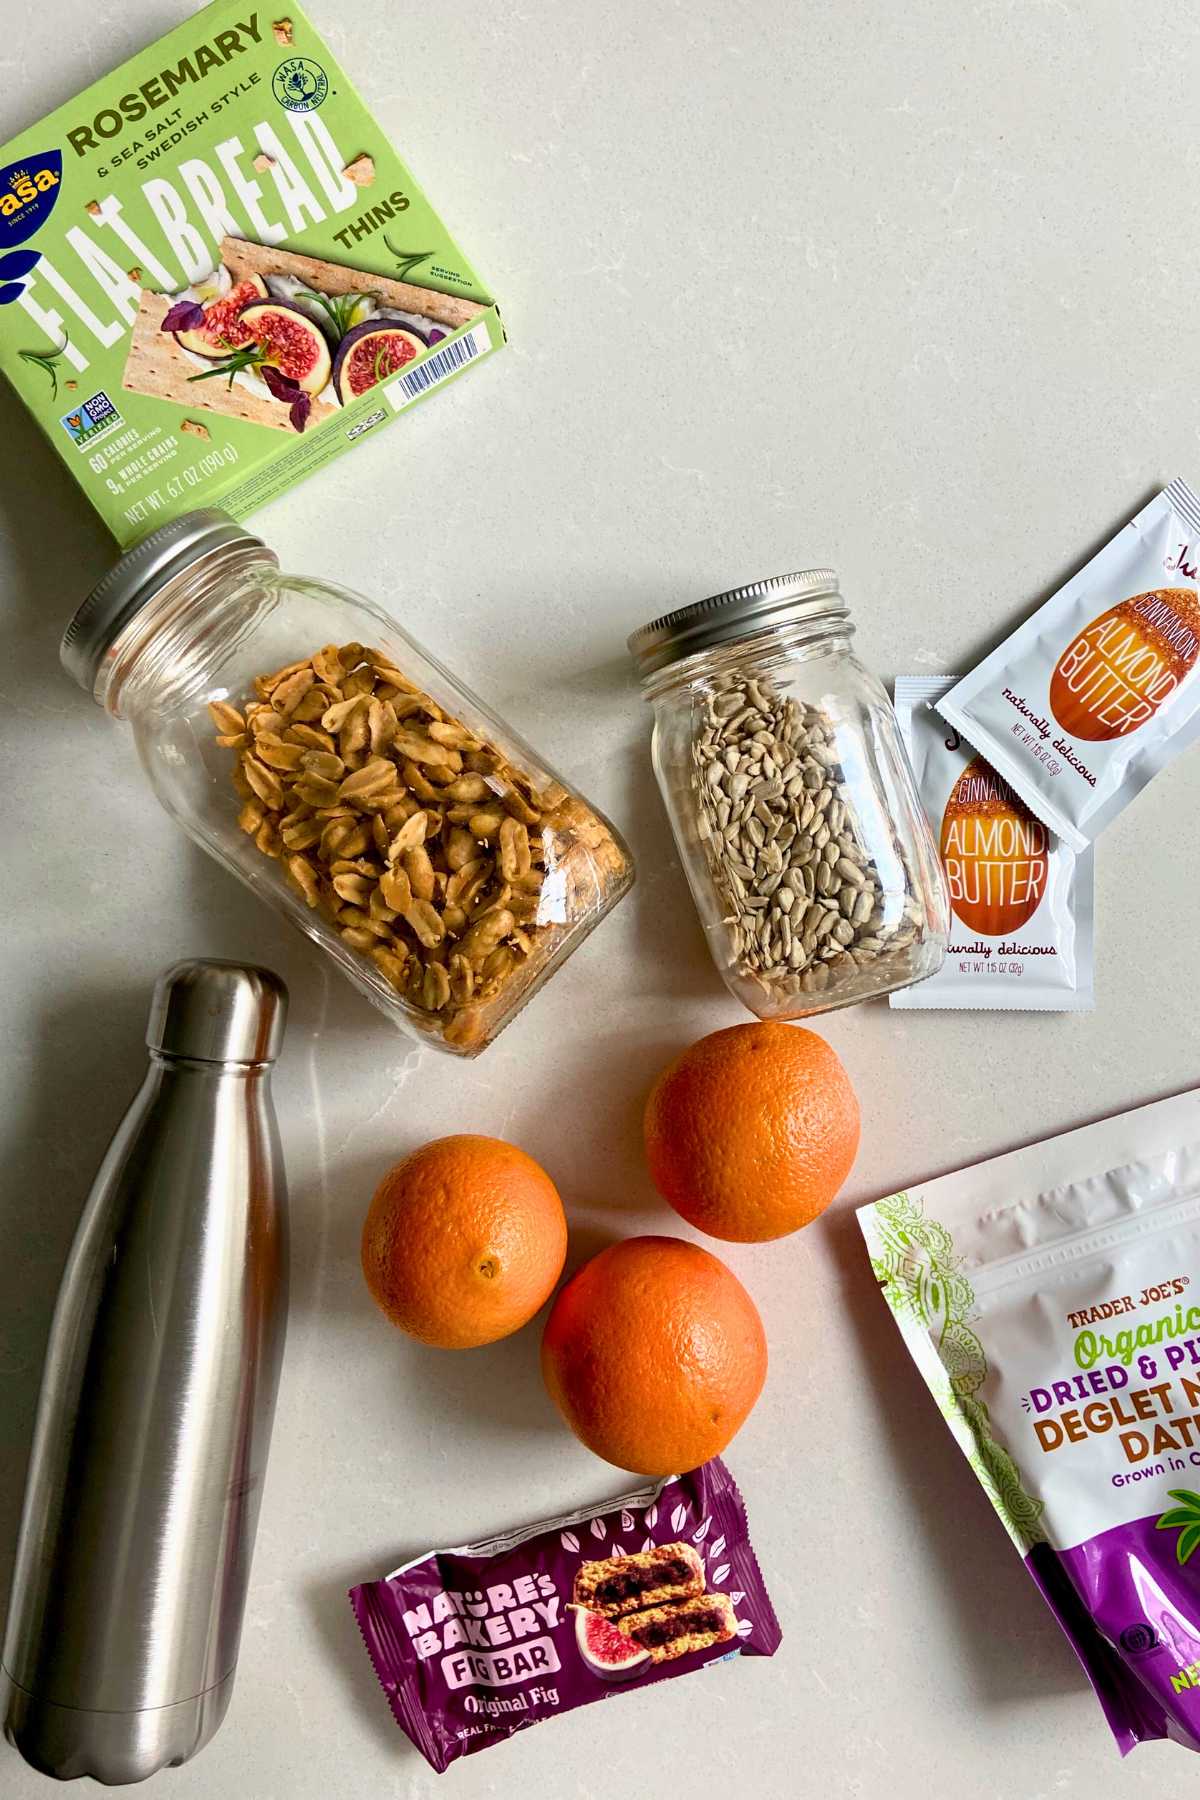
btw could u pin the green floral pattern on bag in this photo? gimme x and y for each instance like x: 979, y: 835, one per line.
x: 924, y: 1285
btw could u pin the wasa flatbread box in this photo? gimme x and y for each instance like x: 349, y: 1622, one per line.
x: 216, y: 273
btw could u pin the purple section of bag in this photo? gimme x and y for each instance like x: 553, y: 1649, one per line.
x: 471, y: 1645
x: 1132, y: 1614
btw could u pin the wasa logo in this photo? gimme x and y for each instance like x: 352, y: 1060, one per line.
x: 28, y: 190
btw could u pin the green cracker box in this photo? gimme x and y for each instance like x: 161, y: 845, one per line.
x: 216, y: 273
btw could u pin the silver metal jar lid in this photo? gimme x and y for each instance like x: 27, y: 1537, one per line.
x: 140, y: 574
x: 739, y: 612
x: 210, y: 1011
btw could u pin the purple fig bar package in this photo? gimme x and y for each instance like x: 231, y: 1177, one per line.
x: 1051, y: 1300
x: 471, y: 1645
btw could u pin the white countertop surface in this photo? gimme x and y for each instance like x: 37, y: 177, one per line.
x: 909, y: 290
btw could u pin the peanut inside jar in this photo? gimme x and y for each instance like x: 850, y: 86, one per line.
x: 421, y: 841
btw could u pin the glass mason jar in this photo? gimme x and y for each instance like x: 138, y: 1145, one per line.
x: 791, y: 799
x: 348, y: 778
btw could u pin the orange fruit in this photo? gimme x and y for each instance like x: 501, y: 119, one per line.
x: 654, y: 1353
x: 464, y: 1241
x: 751, y: 1132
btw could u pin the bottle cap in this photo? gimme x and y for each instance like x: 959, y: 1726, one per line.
x: 141, y: 573
x: 806, y: 597
x: 210, y: 1011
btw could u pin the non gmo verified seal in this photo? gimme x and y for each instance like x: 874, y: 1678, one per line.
x: 300, y: 84
x: 91, y: 420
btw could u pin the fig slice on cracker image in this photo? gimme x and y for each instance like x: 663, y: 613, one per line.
x: 224, y: 329
x: 293, y: 344
x: 333, y: 330
x: 372, y: 351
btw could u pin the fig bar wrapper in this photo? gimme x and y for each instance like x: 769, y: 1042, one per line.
x: 216, y: 272
x: 471, y: 1645
x: 1099, y: 688
x: 1051, y: 1300
x: 1021, y: 900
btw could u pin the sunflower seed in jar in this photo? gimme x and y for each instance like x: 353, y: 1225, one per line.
x: 862, y: 907
x: 802, y: 898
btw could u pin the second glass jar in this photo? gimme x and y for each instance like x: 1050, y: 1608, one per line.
x: 791, y: 799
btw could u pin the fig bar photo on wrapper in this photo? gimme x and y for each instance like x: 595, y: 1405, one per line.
x: 1050, y: 1299
x: 471, y: 1645
x: 1020, y: 899
x: 1100, y: 688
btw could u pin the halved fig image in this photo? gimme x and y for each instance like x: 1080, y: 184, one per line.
x: 224, y: 329
x: 372, y: 351
x: 605, y: 1650
x: 295, y: 346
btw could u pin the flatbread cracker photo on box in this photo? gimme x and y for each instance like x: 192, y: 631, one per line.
x: 285, y: 309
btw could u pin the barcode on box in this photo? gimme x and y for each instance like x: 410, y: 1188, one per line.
x: 445, y: 362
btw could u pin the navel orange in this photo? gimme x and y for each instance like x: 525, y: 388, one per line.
x: 752, y: 1131
x: 654, y: 1354
x: 464, y: 1241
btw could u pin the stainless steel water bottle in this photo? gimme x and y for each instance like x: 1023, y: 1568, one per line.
x: 156, y: 1405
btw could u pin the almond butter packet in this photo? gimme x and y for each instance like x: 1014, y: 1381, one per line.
x: 1100, y: 688
x: 1020, y: 898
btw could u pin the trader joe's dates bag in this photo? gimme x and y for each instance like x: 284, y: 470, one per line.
x: 1051, y: 1300
x: 1100, y: 688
